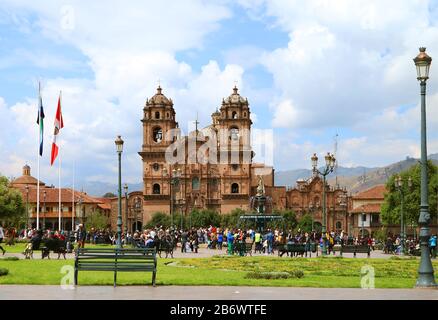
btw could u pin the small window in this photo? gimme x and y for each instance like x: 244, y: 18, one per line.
x: 156, y: 189
x: 234, y: 115
x: 234, y: 188
x: 167, y: 115
x: 244, y: 114
x: 156, y: 166
x: 235, y: 166
x: 338, y: 225
x: 234, y: 133
x: 157, y: 115
x: 158, y: 134
x: 195, y: 183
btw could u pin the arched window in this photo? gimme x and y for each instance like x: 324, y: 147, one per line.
x: 316, y: 202
x: 167, y: 115
x: 234, y: 115
x: 234, y: 188
x: 157, y: 134
x: 195, y: 183
x: 244, y: 114
x: 156, y: 189
x: 157, y: 115
x: 338, y: 225
x: 234, y: 132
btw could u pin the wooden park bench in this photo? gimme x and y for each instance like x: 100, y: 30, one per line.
x: 356, y: 249
x: 115, y: 259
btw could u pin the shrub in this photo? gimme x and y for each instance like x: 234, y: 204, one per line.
x: 3, y: 272
x: 274, y: 275
x: 10, y: 259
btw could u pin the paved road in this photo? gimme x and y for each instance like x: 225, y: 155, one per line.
x: 26, y: 292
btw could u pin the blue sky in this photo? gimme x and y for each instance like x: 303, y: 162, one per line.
x: 310, y: 71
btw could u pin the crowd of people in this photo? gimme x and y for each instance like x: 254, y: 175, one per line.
x: 215, y: 238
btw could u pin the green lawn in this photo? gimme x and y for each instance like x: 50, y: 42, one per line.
x: 318, y: 272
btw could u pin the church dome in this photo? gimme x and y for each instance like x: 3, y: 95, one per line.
x: 235, y: 97
x: 26, y: 179
x: 159, y: 99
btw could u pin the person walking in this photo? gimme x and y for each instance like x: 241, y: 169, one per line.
x: 220, y: 239
x: 2, y: 235
x: 81, y: 236
x: 230, y: 242
x: 432, y: 246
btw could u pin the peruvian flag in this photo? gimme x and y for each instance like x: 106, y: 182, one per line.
x: 59, y: 124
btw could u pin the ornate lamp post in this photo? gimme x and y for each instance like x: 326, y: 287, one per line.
x: 399, y: 185
x: 137, y: 209
x: 330, y: 162
x: 119, y: 148
x: 425, y: 272
x: 342, y: 200
x: 125, y: 188
x: 174, y: 179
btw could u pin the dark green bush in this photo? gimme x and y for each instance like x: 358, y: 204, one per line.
x: 274, y: 275
x: 10, y: 259
x: 3, y: 272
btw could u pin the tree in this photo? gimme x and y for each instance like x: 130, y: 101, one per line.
x: 12, y: 209
x: 205, y: 218
x: 305, y: 223
x: 289, y: 218
x: 98, y: 221
x: 109, y: 195
x: 391, y: 208
x: 159, y: 219
x: 232, y: 219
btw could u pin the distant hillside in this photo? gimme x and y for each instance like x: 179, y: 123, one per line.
x: 354, y: 179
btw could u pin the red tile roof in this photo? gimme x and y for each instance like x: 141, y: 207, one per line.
x: 367, y: 208
x: 52, y: 195
x: 374, y: 193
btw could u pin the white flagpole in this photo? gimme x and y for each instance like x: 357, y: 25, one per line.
x: 60, y: 207
x: 73, y: 200
x: 38, y: 161
x: 59, y: 173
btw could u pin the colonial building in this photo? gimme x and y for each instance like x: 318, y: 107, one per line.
x: 306, y: 198
x: 366, y: 210
x: 76, y: 206
x: 220, y: 177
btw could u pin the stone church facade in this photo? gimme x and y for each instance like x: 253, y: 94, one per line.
x: 209, y: 168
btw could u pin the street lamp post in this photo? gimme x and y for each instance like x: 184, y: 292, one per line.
x: 330, y: 162
x: 425, y: 272
x: 174, y: 180
x: 119, y: 148
x: 125, y: 187
x: 137, y: 209
x: 399, y: 186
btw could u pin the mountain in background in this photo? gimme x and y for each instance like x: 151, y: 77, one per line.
x: 354, y: 179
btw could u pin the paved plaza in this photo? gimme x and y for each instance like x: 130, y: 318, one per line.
x: 29, y: 292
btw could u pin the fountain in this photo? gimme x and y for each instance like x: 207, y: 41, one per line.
x: 258, y: 205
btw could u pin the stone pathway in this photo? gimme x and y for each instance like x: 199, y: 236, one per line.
x: 29, y: 292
